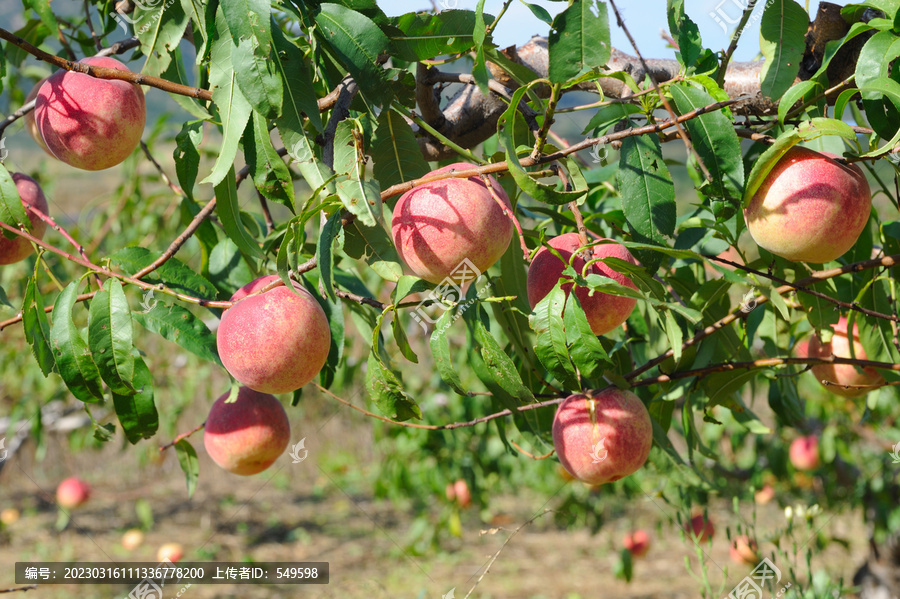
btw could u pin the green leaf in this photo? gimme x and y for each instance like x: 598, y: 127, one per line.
x: 585, y: 349
x: 180, y: 326
x: 187, y: 155
x: 767, y: 161
x: 110, y: 338
x: 331, y: 234
x: 890, y: 91
x: 480, y: 37
x: 387, y: 392
x: 257, y: 75
x: 228, y: 210
x: 159, y: 28
x: 174, y: 274
x: 429, y: 35
x: 395, y: 151
x: 874, y: 63
x: 540, y: 12
x: 794, y: 94
x: 73, y: 358
x: 782, y: 40
x: 550, y: 334
x: 648, y: 194
x: 685, y: 32
x: 401, y: 340
x: 36, y: 327
x: 44, y: 11
x: 440, y: 351
x: 299, y: 94
x: 233, y: 108
x: 335, y: 315
x: 12, y: 210
x: 501, y: 366
x: 579, y: 40
x: 270, y: 175
x: 357, y: 42
x: 136, y: 410
x: 608, y: 116
x: 714, y: 139
x: 190, y: 465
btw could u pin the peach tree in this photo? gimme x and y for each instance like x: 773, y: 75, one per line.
x: 404, y: 174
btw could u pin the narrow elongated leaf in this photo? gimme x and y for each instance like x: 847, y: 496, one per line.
x: 258, y: 78
x: 331, y: 232
x: 299, y: 94
x: 73, y: 358
x: 585, y: 349
x: 648, y: 194
x: 36, y: 327
x: 874, y: 63
x: 335, y: 314
x: 110, y: 338
x: 767, y: 161
x: 190, y: 465
x: 159, y: 26
x: 229, y: 212
x: 387, y: 392
x: 395, y: 151
x: 357, y: 42
x: 187, y: 155
x: 429, y: 35
x: 579, y: 40
x: 550, y: 335
x: 233, y: 108
x: 270, y: 175
x: 713, y: 136
x: 440, y: 351
x: 180, y: 326
x: 782, y: 39
x: 136, y: 410
x: 12, y: 211
x: 686, y: 33
x: 501, y: 366
x: 480, y: 37
x: 794, y: 94
x: 174, y: 274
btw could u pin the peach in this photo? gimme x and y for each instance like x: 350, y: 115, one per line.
x: 764, y: 495
x: 90, y: 123
x: 9, y: 516
x: 804, y: 452
x: 459, y: 492
x: 172, y: 552
x: 603, y: 438
x: 17, y: 249
x: 72, y: 492
x: 274, y: 342
x: 132, y: 539
x: 437, y: 226
x: 604, y: 312
x: 637, y: 543
x: 28, y: 119
x: 246, y: 436
x: 744, y: 550
x: 842, y: 374
x: 810, y: 207
x: 700, y: 528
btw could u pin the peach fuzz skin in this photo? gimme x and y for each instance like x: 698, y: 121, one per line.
x: 89, y: 123
x: 842, y: 374
x: 17, y: 249
x: 438, y: 225
x: 604, y: 312
x: 619, y: 418
x: 245, y: 437
x: 810, y: 208
x: 274, y: 342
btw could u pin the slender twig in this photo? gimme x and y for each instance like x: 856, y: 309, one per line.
x: 467, y: 154
x: 180, y: 437
x: 31, y: 587
x: 162, y: 173
x: 548, y: 120
x: 732, y: 46
x: 264, y: 206
x: 828, y: 383
x: 509, y: 213
x: 87, y: 17
x: 662, y: 96
x: 531, y: 455
x: 59, y: 229
x: 65, y: 43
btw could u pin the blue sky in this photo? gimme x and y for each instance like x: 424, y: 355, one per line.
x: 644, y: 18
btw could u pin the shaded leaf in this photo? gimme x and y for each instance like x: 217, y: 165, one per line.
x: 73, y: 358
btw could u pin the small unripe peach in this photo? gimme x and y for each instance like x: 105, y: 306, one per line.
x: 744, y: 550
x: 842, y: 374
x: 804, y: 453
x: 17, y: 249
x: 90, y: 123
x: 274, y: 342
x: 604, y: 312
x: 810, y: 207
x: 437, y: 226
x: 700, y: 528
x: 132, y: 539
x: 72, y: 492
x: 172, y: 552
x: 603, y: 439
x: 9, y: 516
x: 637, y: 542
x: 246, y: 436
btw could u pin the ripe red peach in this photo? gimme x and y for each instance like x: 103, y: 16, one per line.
x: 604, y: 438
x: 72, y: 492
x: 172, y: 552
x: 604, y: 312
x: 132, y: 539
x: 90, y: 123
x: 804, y: 452
x: 810, y: 207
x: 637, y: 542
x: 700, y: 528
x: 764, y: 495
x: 437, y: 226
x: 17, y: 249
x: 459, y: 492
x: 246, y: 436
x: 744, y: 550
x: 274, y: 342
x: 28, y: 119
x: 842, y: 374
